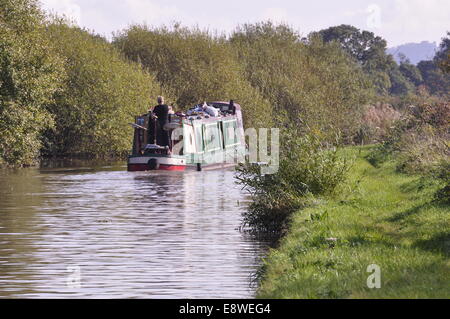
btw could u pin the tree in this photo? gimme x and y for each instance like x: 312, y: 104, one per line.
x: 363, y: 46
x: 435, y: 80
x: 101, y: 95
x: 370, y: 52
x: 314, y: 83
x: 195, y: 66
x: 399, y: 83
x: 410, y: 72
x: 30, y: 73
x: 442, y: 57
x: 435, y: 73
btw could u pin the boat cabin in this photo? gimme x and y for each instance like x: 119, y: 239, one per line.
x: 209, y: 134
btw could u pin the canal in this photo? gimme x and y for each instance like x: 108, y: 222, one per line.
x: 88, y: 231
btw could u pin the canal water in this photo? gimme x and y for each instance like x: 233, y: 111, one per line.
x: 101, y: 232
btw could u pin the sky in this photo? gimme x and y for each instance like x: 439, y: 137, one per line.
x: 397, y: 21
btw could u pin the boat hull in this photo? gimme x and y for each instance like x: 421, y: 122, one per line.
x: 149, y: 163
x: 145, y: 167
x: 141, y: 164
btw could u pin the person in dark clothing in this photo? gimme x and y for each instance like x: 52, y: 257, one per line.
x: 162, y: 112
x: 232, y: 108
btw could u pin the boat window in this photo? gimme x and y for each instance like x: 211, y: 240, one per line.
x: 230, y: 133
x: 212, y: 137
x: 189, y: 139
x: 199, y: 139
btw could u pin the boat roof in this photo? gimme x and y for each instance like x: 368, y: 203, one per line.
x: 222, y: 102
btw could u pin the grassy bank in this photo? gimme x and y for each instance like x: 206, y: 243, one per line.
x: 384, y: 218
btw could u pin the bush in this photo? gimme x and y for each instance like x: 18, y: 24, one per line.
x: 421, y: 151
x: 442, y: 172
x: 30, y: 73
x: 101, y: 95
x: 195, y: 66
x: 377, y: 122
x: 309, y: 165
x: 419, y: 142
x: 312, y: 82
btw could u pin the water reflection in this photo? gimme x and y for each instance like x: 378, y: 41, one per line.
x: 143, y: 235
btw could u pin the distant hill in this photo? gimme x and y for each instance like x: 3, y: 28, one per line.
x: 415, y: 52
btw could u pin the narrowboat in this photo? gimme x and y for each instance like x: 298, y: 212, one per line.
x: 207, y: 136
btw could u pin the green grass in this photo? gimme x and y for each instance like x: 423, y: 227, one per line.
x: 382, y: 217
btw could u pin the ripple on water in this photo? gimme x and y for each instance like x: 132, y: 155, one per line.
x: 125, y: 235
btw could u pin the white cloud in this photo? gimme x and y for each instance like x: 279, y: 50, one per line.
x: 67, y: 8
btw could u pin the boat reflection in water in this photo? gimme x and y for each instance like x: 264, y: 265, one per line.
x: 105, y: 232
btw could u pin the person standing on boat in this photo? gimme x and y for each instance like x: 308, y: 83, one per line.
x: 162, y: 112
